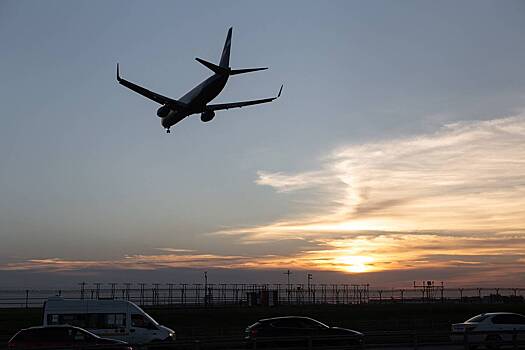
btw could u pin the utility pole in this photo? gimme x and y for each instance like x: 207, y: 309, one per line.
x: 142, y: 293
x: 127, y: 290
x: 155, y: 293
x: 205, y: 288
x: 309, y: 276
x: 98, y: 290
x: 288, y: 273
x: 170, y: 293
x: 82, y: 288
x: 113, y: 286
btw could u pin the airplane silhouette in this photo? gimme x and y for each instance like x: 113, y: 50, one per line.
x: 196, y: 101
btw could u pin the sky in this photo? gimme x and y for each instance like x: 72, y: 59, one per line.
x: 395, y: 153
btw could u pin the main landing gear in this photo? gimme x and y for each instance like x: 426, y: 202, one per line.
x: 167, y: 130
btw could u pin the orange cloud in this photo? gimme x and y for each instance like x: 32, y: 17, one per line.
x: 455, y: 197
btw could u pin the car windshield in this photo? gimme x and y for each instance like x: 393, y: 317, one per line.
x: 477, y: 319
x: 311, y: 323
x: 148, y: 316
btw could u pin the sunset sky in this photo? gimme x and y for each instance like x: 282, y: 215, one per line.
x: 396, y: 152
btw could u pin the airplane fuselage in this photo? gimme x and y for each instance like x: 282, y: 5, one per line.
x: 196, y: 99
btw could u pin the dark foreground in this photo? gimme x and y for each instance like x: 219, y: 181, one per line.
x: 403, y: 326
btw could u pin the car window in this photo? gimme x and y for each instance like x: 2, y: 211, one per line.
x: 24, y: 335
x: 500, y: 319
x: 140, y: 321
x: 287, y: 323
x: 508, y: 319
x: 79, y: 335
x: 308, y: 323
x: 517, y: 319
x: 89, y: 321
x: 54, y: 334
x: 477, y: 319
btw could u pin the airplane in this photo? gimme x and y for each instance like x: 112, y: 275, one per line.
x: 196, y: 101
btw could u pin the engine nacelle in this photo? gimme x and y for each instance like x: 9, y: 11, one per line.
x: 207, y: 116
x: 163, y: 112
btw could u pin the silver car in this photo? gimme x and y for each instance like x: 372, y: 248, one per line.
x: 491, y: 330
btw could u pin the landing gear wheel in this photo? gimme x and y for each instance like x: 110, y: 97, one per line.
x: 167, y: 131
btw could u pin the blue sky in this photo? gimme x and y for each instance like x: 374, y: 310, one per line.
x: 88, y: 174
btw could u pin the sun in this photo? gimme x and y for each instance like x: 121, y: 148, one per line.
x: 355, y: 263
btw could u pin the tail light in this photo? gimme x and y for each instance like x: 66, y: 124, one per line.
x: 253, y: 332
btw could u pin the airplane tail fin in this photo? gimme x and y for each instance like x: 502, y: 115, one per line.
x: 225, y: 57
x: 224, y: 66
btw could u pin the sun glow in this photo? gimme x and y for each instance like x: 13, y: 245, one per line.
x: 355, y: 263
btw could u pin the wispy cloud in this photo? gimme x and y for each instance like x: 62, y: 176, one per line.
x: 454, y: 197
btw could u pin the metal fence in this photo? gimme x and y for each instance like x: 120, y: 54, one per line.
x: 209, y: 295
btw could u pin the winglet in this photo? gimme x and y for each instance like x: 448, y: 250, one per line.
x: 118, y: 73
x: 280, y: 90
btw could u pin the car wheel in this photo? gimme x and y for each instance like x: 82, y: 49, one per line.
x: 492, y: 341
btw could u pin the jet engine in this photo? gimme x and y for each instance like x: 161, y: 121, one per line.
x: 163, y: 111
x: 207, y: 116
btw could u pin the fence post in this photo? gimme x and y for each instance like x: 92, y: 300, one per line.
x: 27, y: 298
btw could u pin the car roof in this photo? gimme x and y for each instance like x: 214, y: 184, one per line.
x: 286, y: 318
x: 53, y: 326
x: 500, y: 313
x: 58, y: 326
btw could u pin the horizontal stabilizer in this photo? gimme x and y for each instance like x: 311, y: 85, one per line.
x: 247, y: 70
x: 217, y: 69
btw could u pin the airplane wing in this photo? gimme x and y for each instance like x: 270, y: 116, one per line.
x: 150, y: 94
x: 220, y: 106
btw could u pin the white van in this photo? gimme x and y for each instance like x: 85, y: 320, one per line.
x: 117, y: 319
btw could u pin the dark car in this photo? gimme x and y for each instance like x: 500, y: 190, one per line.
x: 67, y: 337
x: 298, y: 331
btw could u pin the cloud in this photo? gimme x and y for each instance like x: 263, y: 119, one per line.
x: 449, y: 204
x: 287, y: 183
x: 454, y: 198
x: 173, y: 259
